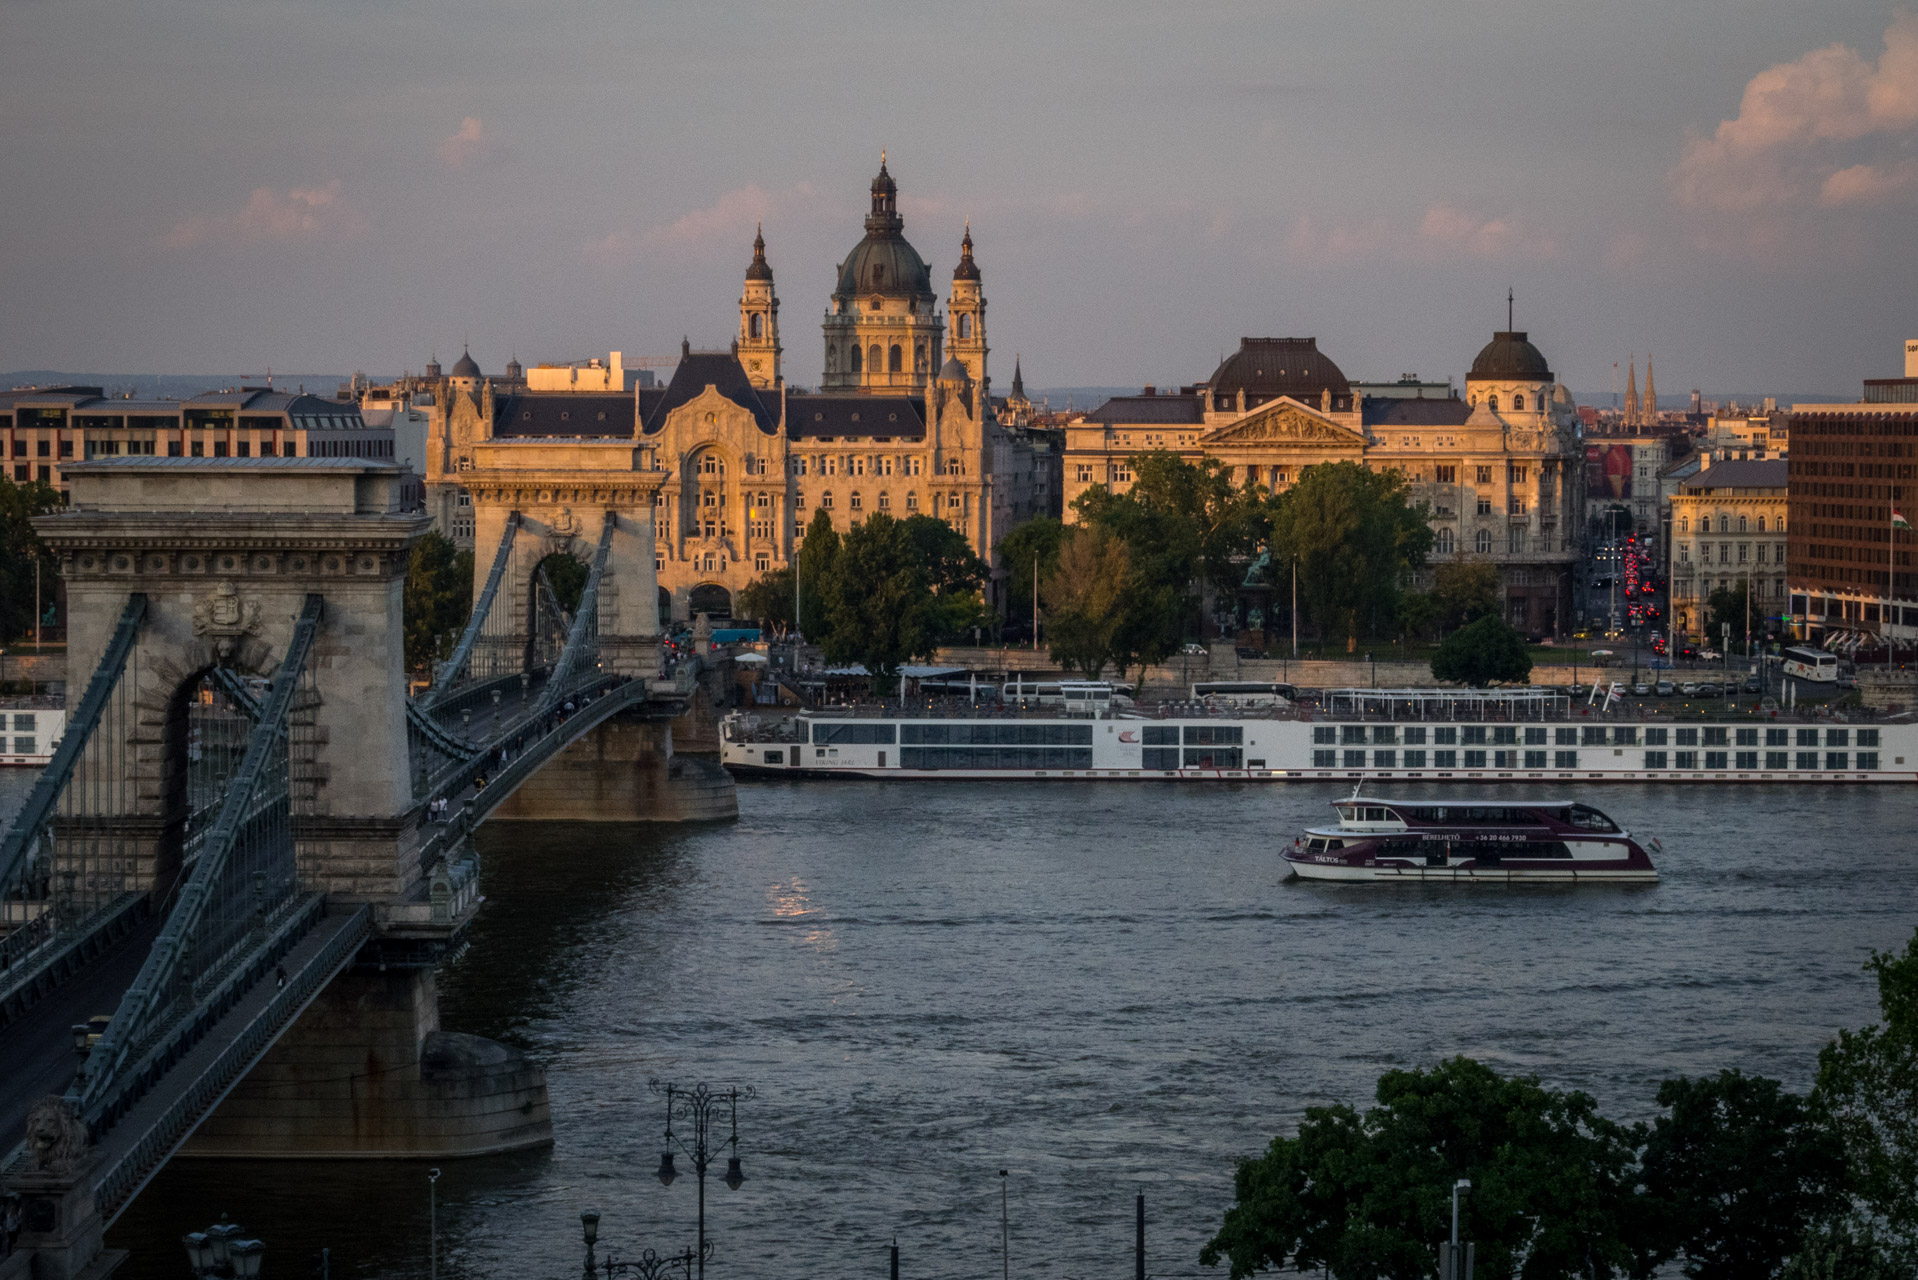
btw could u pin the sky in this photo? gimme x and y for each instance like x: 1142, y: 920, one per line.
x: 329, y: 185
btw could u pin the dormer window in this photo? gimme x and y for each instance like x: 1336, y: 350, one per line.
x: 1518, y: 400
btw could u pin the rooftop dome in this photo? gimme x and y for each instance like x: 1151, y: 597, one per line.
x: 884, y: 263
x: 967, y: 268
x: 466, y: 366
x: 759, y: 269
x: 954, y: 371
x: 1508, y: 356
x: 1267, y: 368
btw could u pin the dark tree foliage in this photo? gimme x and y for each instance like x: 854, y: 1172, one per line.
x: 1739, y: 1170
x: 818, y: 558
x: 768, y: 599
x: 1357, y: 541
x: 1482, y: 652
x: 1368, y: 1195
x: 1465, y: 591
x: 1037, y: 540
x: 887, y: 591
x: 437, y: 600
x: 1725, y: 607
x: 20, y: 547
x: 568, y: 574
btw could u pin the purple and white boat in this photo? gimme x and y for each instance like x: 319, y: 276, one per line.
x: 1505, y: 841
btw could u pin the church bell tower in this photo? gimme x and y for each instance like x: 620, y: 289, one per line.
x: 759, y: 320
x: 966, y: 315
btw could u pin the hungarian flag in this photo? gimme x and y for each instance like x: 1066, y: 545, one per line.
x: 1898, y: 521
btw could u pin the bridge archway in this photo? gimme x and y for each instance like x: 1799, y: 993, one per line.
x: 710, y: 599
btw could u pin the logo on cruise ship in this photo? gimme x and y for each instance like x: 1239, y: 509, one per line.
x: 1128, y: 736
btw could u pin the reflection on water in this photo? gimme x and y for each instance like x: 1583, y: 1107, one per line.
x: 1098, y: 987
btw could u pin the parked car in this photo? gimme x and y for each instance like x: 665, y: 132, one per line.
x: 1709, y: 689
x: 1641, y: 690
x: 1752, y: 685
x: 1689, y: 688
x: 1665, y: 688
x: 1195, y: 651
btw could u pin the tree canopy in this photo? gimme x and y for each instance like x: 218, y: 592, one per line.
x: 1482, y: 652
x: 1356, y: 539
x: 1036, y: 541
x: 436, y: 601
x: 20, y: 548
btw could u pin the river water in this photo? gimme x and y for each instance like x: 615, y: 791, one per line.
x: 1098, y: 987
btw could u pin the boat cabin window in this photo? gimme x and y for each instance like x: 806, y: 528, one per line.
x: 1590, y: 819
x: 1367, y: 813
x: 1319, y: 844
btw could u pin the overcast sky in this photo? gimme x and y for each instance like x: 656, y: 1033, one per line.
x: 1731, y: 185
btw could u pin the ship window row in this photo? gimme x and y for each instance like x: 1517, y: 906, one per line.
x: 1192, y: 758
x: 1486, y: 854
x: 851, y: 734
x: 989, y: 734
x: 995, y: 757
x: 1445, y: 759
x: 1804, y: 761
x: 25, y: 746
x: 1591, y: 735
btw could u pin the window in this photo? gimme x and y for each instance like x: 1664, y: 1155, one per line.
x: 1474, y: 759
x: 965, y: 326
x: 1446, y: 543
x: 1445, y: 759
x: 1834, y: 760
x: 825, y: 500
x: 1355, y: 759
x: 1807, y: 760
x: 885, y: 500
x: 1686, y: 759
x: 1745, y: 760
x: 1518, y: 401
x: 1515, y: 542
x: 1085, y: 473
x: 1415, y: 759
x: 1777, y: 760
x: 1724, y: 523
x: 873, y: 358
x: 1867, y: 759
x: 1485, y: 473
x: 1715, y: 759
x: 857, y: 362
x: 1516, y: 473
x: 912, y: 501
x: 1493, y: 401
x: 1684, y: 524
x: 1483, y: 542
x: 1121, y: 473
x: 854, y: 503
x: 1808, y: 738
x: 1741, y: 524
x: 1325, y: 759
x: 1837, y: 737
x: 1445, y: 473
x: 1321, y: 733
x: 1565, y: 737
x: 1484, y: 506
x: 1654, y: 759
x: 1564, y: 759
x: 895, y: 359
x: 1385, y: 759
x: 1446, y: 736
x: 1534, y: 759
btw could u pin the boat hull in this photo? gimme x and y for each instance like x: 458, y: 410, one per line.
x: 1409, y: 873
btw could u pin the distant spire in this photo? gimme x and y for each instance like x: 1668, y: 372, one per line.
x: 1651, y: 393
x: 685, y: 346
x: 967, y: 268
x: 1018, y: 379
x: 1631, y: 393
x: 1510, y: 327
x: 759, y: 268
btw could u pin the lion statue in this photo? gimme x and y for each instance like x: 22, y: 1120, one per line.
x: 56, y: 1138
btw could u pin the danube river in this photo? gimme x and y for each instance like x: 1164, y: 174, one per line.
x: 1098, y: 987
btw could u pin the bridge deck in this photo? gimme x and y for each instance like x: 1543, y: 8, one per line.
x: 39, y: 1057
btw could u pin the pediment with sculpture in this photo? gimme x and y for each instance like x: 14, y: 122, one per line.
x: 1283, y: 422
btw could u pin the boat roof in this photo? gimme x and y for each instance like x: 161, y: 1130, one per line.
x: 1459, y: 804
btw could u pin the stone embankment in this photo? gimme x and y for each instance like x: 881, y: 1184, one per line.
x: 1221, y: 664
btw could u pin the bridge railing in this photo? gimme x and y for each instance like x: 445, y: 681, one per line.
x: 68, y: 886
x: 240, y: 898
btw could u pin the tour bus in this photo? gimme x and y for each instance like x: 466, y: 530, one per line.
x: 1087, y: 696
x: 1243, y: 693
x: 1812, y: 664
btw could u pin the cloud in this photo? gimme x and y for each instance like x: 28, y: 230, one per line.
x: 1794, y: 120
x: 1443, y: 233
x: 1866, y: 184
x: 467, y: 145
x: 299, y: 213
x: 724, y: 227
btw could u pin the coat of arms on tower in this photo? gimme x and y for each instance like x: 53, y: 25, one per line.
x: 221, y: 613
x: 566, y: 524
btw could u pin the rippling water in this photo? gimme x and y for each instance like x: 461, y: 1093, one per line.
x: 1098, y: 987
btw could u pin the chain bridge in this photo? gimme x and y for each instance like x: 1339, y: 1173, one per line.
x: 222, y: 905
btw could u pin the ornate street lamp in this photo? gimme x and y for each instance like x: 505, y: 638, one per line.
x: 649, y: 1265
x: 696, y: 1105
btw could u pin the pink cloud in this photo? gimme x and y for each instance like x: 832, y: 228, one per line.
x: 1448, y: 230
x: 1780, y: 147
x: 722, y: 227
x: 466, y: 145
x: 299, y: 213
x: 1866, y: 184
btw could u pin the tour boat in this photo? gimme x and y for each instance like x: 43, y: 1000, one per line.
x: 1506, y: 841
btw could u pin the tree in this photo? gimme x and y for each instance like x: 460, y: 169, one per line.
x: 1356, y: 540
x: 1370, y: 1195
x: 1037, y: 540
x: 818, y: 556
x: 1725, y: 607
x: 1482, y: 652
x: 1868, y: 1086
x: 20, y: 549
x: 1086, y: 599
x: 892, y: 590
x: 1740, y: 1170
x: 1465, y: 591
x: 768, y: 599
x: 436, y: 601
x: 566, y: 573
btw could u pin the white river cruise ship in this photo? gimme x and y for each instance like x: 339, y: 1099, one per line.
x: 1353, y: 735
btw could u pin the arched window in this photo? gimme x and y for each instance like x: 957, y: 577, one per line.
x: 1483, y: 542
x: 1493, y: 401
x: 873, y: 358
x: 895, y: 359
x: 912, y: 502
x: 885, y: 500
x: 752, y: 326
x: 853, y: 503
x: 1446, y: 542
x: 1518, y: 400
x: 1761, y: 524
x: 1741, y: 524
x: 1684, y: 524
x: 855, y: 359
x: 919, y: 358
x: 965, y: 326
x: 825, y: 500
x: 1724, y: 524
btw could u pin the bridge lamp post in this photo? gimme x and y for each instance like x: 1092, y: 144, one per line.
x: 649, y: 1265
x: 220, y: 1252
x: 697, y: 1105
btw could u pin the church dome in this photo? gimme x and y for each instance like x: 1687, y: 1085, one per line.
x: 884, y: 263
x: 967, y: 268
x: 953, y: 370
x: 759, y: 269
x: 466, y: 366
x: 1267, y: 368
x: 1509, y: 357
